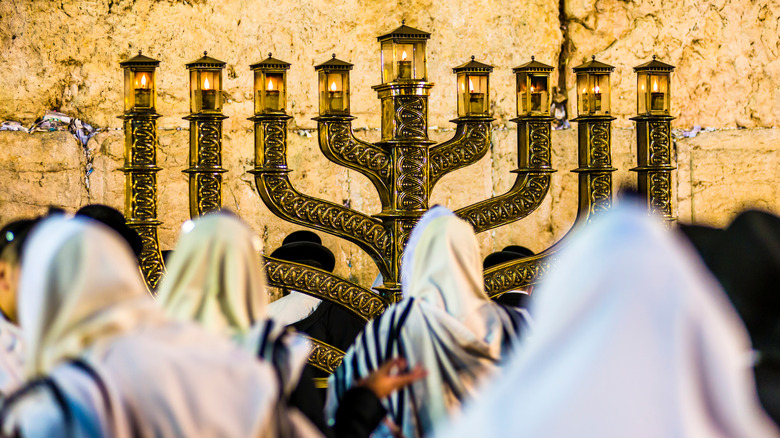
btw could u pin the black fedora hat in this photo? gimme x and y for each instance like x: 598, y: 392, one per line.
x: 15, y: 231
x: 305, y: 247
x: 116, y: 220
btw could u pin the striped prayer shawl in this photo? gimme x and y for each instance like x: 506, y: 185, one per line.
x: 456, y: 361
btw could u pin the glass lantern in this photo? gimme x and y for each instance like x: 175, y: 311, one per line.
x: 652, y: 86
x: 140, y: 84
x: 270, y: 86
x: 533, y: 88
x: 334, y: 86
x: 473, y: 88
x: 206, y: 85
x: 403, y: 55
x: 593, y: 88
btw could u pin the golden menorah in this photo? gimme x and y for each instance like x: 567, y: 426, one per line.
x: 403, y: 166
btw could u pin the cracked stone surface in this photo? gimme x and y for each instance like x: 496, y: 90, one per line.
x: 66, y: 55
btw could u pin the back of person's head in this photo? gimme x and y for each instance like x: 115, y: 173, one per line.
x: 12, y: 238
x: 78, y: 282
x: 441, y: 263
x: 215, y: 275
x: 115, y: 220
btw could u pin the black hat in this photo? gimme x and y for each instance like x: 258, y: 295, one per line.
x: 305, y: 247
x: 523, y: 251
x: 15, y: 231
x: 511, y: 252
x: 745, y: 258
x: 116, y: 220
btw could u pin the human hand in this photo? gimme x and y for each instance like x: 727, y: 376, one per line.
x: 390, y: 377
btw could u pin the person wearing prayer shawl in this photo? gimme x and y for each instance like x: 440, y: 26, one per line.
x: 104, y: 361
x: 633, y: 338
x: 12, y: 236
x: 445, y: 322
x: 215, y: 277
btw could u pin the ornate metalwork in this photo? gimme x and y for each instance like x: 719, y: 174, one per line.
x: 595, y: 166
x: 140, y: 170
x: 518, y: 274
x: 324, y: 285
x: 465, y: 149
x: 654, y: 163
x: 205, y: 171
x: 323, y: 356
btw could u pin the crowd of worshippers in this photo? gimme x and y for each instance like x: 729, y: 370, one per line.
x: 635, y: 331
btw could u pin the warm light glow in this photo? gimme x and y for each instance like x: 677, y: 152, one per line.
x: 206, y: 85
x: 471, y: 86
x: 333, y: 86
x: 643, y: 87
x: 655, y: 85
x: 403, y: 56
x: 270, y: 85
x: 597, y: 90
x: 143, y: 80
x: 532, y: 88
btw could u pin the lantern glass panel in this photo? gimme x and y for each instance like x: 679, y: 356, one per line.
x: 139, y: 90
x: 522, y: 97
x: 539, y: 94
x: 473, y: 95
x: 403, y: 61
x: 334, y: 93
x: 205, y: 90
x: 599, y: 97
x: 659, y: 93
x: 641, y: 93
x: 583, y: 94
x: 273, y: 92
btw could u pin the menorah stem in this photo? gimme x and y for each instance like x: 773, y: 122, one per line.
x: 205, y: 171
x: 595, y: 165
x: 654, y: 163
x: 141, y: 189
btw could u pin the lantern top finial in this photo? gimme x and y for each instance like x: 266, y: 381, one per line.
x: 594, y: 66
x: 271, y: 63
x: 533, y: 67
x: 406, y: 33
x: 654, y: 66
x: 473, y: 67
x: 333, y: 64
x: 206, y: 62
x: 140, y: 61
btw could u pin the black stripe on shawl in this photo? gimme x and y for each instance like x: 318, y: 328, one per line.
x: 59, y: 398
x: 394, y: 340
x: 82, y: 365
x: 264, y: 339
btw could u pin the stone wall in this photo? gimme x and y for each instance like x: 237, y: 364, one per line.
x: 64, y: 55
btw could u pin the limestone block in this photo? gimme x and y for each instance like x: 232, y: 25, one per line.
x: 726, y: 53
x: 722, y: 173
x: 66, y: 54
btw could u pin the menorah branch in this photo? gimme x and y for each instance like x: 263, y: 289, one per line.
x: 323, y: 356
x: 324, y: 285
x: 339, y: 144
x: 469, y: 144
x: 279, y: 195
x: 518, y: 274
x: 524, y: 197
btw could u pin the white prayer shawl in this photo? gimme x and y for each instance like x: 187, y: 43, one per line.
x: 292, y: 308
x: 82, y: 298
x: 11, y: 357
x: 216, y: 278
x: 446, y: 323
x: 633, y: 338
